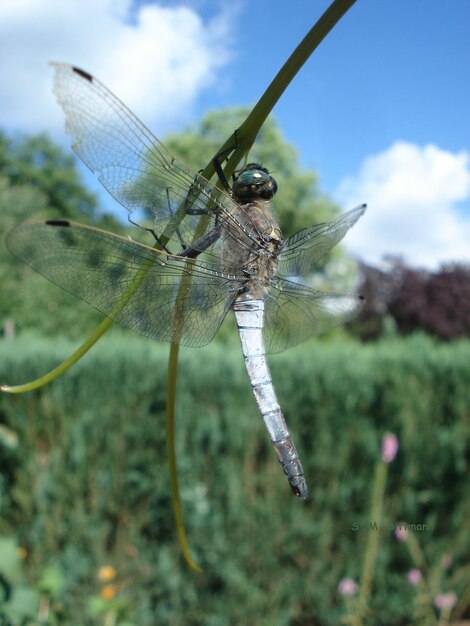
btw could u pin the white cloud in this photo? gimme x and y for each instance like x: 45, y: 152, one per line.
x: 156, y: 62
x: 413, y: 195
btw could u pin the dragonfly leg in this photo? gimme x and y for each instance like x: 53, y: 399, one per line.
x: 201, y: 244
x: 217, y: 162
x: 152, y: 231
x: 198, y: 187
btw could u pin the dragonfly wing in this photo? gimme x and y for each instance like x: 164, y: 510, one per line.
x: 294, y: 313
x: 157, y: 295
x: 131, y: 163
x: 308, y: 246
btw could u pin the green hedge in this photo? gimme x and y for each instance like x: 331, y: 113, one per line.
x: 87, y: 484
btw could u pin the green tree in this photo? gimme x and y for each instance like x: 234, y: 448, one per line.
x: 39, y: 179
x: 26, y: 298
x: 48, y: 169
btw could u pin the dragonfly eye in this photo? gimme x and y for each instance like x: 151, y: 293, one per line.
x: 254, y: 181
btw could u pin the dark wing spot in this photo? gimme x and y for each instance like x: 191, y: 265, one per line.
x: 200, y: 298
x: 115, y: 274
x: 67, y: 236
x: 57, y: 223
x: 94, y: 257
x: 64, y: 232
x: 83, y: 74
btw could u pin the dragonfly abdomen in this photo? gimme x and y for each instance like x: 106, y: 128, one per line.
x: 249, y: 314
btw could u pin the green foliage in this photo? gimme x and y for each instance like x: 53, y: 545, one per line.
x: 87, y: 485
x: 32, y: 604
x: 38, y: 162
x: 25, y: 297
x: 38, y: 179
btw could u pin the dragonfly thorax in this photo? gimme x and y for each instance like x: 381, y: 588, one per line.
x: 253, y: 182
x: 261, y: 250
x: 260, y: 270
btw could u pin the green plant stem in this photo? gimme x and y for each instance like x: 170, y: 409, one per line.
x: 171, y: 451
x: 444, y: 617
x: 426, y: 587
x: 372, y: 546
x: 291, y: 67
x: 244, y: 137
x: 64, y: 366
x: 415, y: 551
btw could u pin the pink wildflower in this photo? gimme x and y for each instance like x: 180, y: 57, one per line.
x: 414, y: 577
x: 389, y: 447
x: 445, y: 600
x: 347, y: 587
x: 401, y: 532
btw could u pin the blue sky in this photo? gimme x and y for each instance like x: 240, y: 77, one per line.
x: 380, y: 111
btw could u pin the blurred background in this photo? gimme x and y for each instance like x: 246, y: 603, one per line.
x: 379, y: 114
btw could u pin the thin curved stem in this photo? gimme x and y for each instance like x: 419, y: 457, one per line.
x: 246, y: 134
x: 171, y: 451
x: 64, y: 366
x: 291, y: 67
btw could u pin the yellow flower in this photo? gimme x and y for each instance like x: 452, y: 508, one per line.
x: 22, y: 553
x: 108, y: 592
x: 106, y: 573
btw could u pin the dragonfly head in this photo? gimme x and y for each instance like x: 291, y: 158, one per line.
x: 253, y: 182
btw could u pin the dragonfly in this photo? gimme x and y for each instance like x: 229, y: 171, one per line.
x: 180, y: 288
